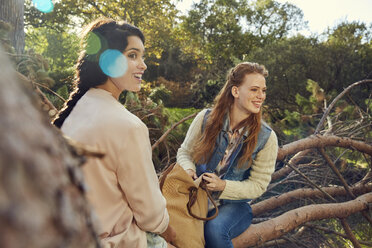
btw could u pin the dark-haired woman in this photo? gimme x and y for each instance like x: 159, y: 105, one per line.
x: 234, y: 150
x: 122, y: 187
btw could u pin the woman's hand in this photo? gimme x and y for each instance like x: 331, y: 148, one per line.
x: 192, y: 173
x: 214, y: 182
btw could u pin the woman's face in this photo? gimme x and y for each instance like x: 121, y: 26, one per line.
x: 250, y: 95
x: 131, y: 80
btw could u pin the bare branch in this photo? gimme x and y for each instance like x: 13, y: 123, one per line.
x: 51, y: 91
x: 24, y: 79
x: 338, y: 174
x: 286, y: 169
x: 312, y: 183
x: 349, y: 233
x: 346, y: 186
x: 162, y: 138
x: 45, y: 99
x: 326, y: 113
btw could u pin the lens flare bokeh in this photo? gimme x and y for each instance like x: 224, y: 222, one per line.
x: 45, y: 6
x: 113, y: 63
x: 93, y: 43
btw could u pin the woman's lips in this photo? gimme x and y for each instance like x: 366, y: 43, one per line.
x: 257, y: 104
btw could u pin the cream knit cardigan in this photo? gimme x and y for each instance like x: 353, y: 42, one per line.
x: 262, y: 168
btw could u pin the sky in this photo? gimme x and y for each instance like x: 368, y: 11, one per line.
x: 321, y: 14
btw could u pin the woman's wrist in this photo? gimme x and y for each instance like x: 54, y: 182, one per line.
x: 191, y: 173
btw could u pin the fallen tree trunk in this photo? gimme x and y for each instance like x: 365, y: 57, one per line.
x: 257, y: 234
x: 318, y: 141
x: 285, y: 198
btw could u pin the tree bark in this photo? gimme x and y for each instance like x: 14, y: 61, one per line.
x: 12, y: 12
x: 281, y: 200
x: 42, y: 202
x: 318, y: 141
x: 257, y: 234
x: 286, y: 169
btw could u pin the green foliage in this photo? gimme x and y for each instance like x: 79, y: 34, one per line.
x: 188, y: 56
x: 177, y: 135
x: 154, y: 17
x: 61, y: 48
x: 176, y: 65
x: 347, y: 44
x: 271, y: 20
x: 158, y: 120
x: 172, y: 94
x: 176, y: 114
x: 333, y: 64
x: 223, y: 31
x: 301, y: 123
x: 160, y: 94
x: 357, y: 223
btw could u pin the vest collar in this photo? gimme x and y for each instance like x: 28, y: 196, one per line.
x: 226, y: 125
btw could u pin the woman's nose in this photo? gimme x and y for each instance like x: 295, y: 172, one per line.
x: 143, y: 65
x: 261, y: 94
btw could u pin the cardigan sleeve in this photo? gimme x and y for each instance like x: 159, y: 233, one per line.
x: 184, y: 154
x: 262, y: 168
x: 139, y: 182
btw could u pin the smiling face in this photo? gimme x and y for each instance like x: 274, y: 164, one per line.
x: 250, y: 95
x: 131, y: 80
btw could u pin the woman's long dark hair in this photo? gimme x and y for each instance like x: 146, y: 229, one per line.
x: 98, y: 36
x: 224, y: 100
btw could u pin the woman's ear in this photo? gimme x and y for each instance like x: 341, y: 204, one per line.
x: 235, y: 91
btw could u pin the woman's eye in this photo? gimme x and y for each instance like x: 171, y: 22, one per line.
x: 132, y: 55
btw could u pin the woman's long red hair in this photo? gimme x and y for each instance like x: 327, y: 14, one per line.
x: 223, y: 102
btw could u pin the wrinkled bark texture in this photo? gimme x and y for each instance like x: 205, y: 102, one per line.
x: 42, y: 201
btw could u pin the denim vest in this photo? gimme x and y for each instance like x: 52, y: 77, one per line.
x: 233, y: 172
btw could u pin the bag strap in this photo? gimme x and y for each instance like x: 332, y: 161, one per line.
x: 164, y: 175
x: 193, y: 192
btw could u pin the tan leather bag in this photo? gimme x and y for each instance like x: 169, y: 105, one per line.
x: 187, y: 204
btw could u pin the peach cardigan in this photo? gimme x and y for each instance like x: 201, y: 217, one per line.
x: 122, y: 187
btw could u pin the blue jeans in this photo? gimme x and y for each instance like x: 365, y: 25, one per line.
x: 232, y: 220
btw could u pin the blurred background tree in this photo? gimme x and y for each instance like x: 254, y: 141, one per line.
x: 12, y: 11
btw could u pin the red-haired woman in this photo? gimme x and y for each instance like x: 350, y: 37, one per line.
x: 234, y: 150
